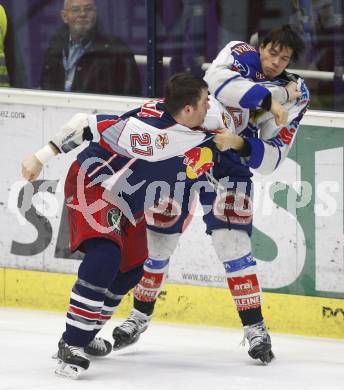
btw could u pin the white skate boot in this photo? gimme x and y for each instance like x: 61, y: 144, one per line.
x: 259, y: 341
x: 129, y: 332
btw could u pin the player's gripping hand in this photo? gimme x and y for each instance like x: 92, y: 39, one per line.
x: 226, y: 140
x: 279, y: 112
x: 293, y: 91
x: 31, y: 168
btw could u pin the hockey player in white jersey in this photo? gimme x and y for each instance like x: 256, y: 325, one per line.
x: 248, y: 82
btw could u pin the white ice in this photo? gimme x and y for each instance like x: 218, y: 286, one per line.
x: 166, y: 357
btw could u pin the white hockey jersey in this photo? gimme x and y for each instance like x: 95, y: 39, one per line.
x: 236, y: 79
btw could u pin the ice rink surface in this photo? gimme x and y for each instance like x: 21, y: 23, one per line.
x: 166, y: 357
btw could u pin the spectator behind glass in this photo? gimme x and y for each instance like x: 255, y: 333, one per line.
x: 12, y: 73
x: 81, y: 58
x: 4, y: 80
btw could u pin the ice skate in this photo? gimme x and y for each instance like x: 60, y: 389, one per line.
x: 259, y: 342
x: 98, y: 347
x: 72, y: 361
x: 129, y: 332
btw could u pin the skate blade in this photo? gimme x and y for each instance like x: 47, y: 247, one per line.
x: 267, y: 358
x: 125, y: 345
x: 70, y: 371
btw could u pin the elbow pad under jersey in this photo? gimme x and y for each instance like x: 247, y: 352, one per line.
x: 73, y: 133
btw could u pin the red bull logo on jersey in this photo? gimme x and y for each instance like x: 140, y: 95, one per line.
x: 161, y: 141
x: 164, y: 214
x: 235, y: 207
x: 198, y: 161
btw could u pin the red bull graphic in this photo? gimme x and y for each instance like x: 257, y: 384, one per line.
x: 235, y: 207
x: 165, y: 213
x: 161, y: 141
x: 198, y: 161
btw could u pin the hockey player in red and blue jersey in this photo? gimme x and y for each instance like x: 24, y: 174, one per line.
x: 249, y: 83
x: 107, y: 189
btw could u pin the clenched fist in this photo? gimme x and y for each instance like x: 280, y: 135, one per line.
x: 31, y: 168
x: 279, y: 112
x: 226, y: 140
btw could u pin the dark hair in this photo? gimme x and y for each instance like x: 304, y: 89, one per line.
x: 285, y: 36
x: 183, y: 89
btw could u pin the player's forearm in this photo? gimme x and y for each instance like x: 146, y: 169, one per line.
x: 231, y: 89
x: 71, y: 135
x: 284, y: 94
x: 268, y: 154
x: 46, y: 153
